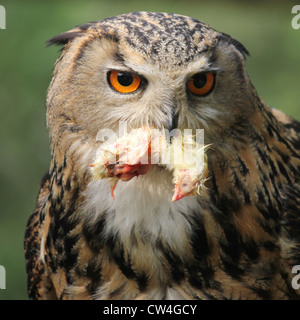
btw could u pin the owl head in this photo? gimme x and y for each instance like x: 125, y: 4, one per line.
x: 150, y: 69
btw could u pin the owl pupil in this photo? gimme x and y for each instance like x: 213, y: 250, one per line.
x: 125, y: 78
x: 200, y: 80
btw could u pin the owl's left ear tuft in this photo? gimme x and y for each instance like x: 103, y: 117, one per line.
x: 64, y: 38
x: 231, y: 41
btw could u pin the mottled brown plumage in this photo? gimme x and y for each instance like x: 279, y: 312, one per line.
x: 238, y: 239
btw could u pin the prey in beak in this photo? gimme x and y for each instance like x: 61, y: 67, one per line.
x: 131, y: 155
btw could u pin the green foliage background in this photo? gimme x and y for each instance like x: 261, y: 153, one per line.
x: 264, y: 27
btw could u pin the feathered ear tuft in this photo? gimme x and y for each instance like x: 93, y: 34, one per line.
x: 229, y: 40
x: 64, y: 38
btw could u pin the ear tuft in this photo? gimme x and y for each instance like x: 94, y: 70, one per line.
x: 64, y: 38
x: 230, y: 41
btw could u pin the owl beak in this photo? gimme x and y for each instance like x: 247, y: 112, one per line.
x: 174, y: 123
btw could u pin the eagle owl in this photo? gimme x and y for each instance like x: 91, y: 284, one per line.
x: 238, y: 238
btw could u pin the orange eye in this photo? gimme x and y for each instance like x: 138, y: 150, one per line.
x: 201, y: 84
x: 124, y: 82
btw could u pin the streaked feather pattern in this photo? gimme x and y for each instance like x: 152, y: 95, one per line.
x: 237, y: 239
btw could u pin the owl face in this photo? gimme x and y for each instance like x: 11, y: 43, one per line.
x: 148, y: 69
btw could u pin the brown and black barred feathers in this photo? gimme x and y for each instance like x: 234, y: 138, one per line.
x: 238, y: 239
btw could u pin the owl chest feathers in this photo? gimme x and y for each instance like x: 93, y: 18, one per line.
x: 142, y: 231
x: 141, y: 244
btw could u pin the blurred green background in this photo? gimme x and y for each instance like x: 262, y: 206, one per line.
x: 264, y: 27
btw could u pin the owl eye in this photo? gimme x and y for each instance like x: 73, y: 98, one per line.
x: 201, y: 84
x: 124, y: 82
